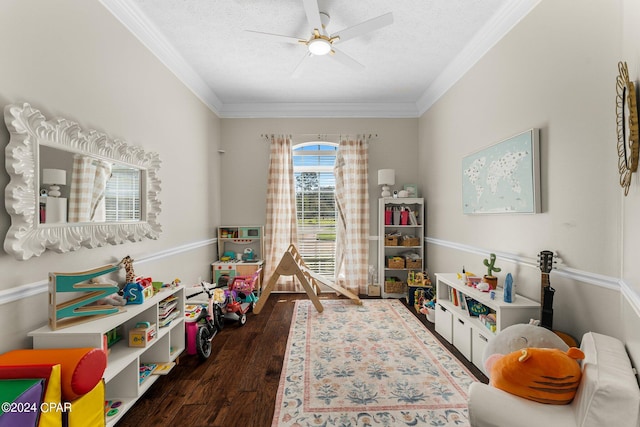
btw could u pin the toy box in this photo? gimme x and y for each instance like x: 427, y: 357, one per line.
x: 142, y: 334
x: 373, y: 290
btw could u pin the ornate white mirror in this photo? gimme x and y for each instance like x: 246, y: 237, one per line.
x: 70, y: 188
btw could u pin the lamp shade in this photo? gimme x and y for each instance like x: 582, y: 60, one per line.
x: 54, y: 176
x: 386, y: 177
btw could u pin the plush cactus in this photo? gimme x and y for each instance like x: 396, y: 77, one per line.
x: 490, y: 264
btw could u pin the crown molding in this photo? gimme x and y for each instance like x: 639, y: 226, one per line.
x: 490, y: 34
x: 319, y: 110
x: 134, y: 20
x: 501, y: 23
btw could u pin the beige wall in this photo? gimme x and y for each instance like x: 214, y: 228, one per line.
x: 556, y: 71
x: 246, y: 159
x: 73, y: 59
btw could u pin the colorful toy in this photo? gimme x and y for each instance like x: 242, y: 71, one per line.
x: 490, y: 264
x: 203, y: 320
x: 142, y: 334
x: 544, y: 375
x: 127, y: 263
x: 240, y: 298
x: 82, y: 308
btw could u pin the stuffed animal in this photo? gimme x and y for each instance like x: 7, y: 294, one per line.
x: 114, y: 299
x: 522, y: 335
x: 544, y: 375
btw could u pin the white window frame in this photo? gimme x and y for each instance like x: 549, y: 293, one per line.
x: 313, y: 251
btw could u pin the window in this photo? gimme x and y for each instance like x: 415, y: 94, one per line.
x: 122, y: 195
x: 315, y: 204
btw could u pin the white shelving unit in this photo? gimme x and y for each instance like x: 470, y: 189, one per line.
x: 121, y: 377
x: 415, y: 205
x: 467, y: 333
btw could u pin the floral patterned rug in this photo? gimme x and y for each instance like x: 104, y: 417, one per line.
x: 370, y: 365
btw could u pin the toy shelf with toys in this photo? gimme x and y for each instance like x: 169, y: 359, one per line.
x: 401, y: 243
x: 138, y: 341
x: 468, y: 317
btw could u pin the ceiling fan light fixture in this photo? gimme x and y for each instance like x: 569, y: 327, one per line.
x: 319, y: 46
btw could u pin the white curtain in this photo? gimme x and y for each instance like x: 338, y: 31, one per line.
x: 281, y: 222
x: 88, y: 183
x: 352, y: 206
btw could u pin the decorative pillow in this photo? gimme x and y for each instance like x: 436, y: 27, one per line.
x: 544, y: 375
x: 519, y: 336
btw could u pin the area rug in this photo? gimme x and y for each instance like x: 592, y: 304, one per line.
x: 373, y: 364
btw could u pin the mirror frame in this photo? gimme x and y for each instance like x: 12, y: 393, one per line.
x: 26, y: 237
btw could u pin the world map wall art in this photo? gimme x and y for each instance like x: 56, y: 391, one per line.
x: 503, y: 178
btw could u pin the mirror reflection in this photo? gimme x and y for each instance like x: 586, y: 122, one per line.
x: 72, y: 188
x: 76, y: 188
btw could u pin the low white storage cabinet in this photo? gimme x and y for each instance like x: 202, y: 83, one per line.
x: 465, y: 331
x: 122, y: 375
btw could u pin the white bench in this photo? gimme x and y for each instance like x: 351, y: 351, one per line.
x: 608, y: 395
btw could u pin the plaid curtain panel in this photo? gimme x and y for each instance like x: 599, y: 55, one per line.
x: 88, y: 182
x: 352, y: 206
x: 281, y: 226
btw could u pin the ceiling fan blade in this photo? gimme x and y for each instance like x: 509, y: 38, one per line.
x: 364, y: 27
x: 346, y: 60
x: 313, y: 14
x: 278, y: 37
x: 297, y: 72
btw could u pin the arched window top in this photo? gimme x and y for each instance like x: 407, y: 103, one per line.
x: 314, y: 155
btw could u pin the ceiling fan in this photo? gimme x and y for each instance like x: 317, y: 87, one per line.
x: 322, y: 43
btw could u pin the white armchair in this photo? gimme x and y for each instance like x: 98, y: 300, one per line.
x: 608, y: 395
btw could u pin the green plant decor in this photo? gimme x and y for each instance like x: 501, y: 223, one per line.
x: 490, y: 264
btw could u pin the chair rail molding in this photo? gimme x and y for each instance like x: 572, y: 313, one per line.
x: 595, y: 279
x: 32, y: 289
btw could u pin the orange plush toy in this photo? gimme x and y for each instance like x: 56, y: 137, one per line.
x: 545, y: 375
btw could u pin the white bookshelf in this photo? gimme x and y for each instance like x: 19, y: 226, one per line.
x: 416, y: 205
x: 121, y: 376
x: 466, y: 332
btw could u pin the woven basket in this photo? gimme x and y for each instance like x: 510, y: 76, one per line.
x: 394, y: 287
x: 413, y: 263
x: 395, y: 262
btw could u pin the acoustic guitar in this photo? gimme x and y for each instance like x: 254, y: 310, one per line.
x: 546, y: 261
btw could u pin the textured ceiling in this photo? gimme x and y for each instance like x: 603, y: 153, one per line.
x: 240, y: 73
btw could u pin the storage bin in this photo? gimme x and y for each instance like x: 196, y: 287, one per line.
x: 373, y: 290
x: 395, y: 262
x: 410, y: 241
x: 394, y: 287
x: 413, y: 263
x: 390, y: 240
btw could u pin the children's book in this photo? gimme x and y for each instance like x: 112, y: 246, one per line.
x: 164, y: 368
x: 463, y: 302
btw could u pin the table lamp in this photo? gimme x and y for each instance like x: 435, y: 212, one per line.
x: 386, y: 177
x: 54, y: 178
x: 55, y: 206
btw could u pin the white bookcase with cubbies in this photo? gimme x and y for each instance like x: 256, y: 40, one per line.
x: 470, y: 333
x: 122, y: 375
x: 401, y: 243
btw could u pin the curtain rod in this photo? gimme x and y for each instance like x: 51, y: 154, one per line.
x: 317, y: 136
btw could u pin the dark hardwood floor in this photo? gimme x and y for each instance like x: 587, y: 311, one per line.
x: 237, y: 385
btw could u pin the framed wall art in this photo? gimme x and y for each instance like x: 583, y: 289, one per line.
x: 504, y: 177
x: 412, y: 189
